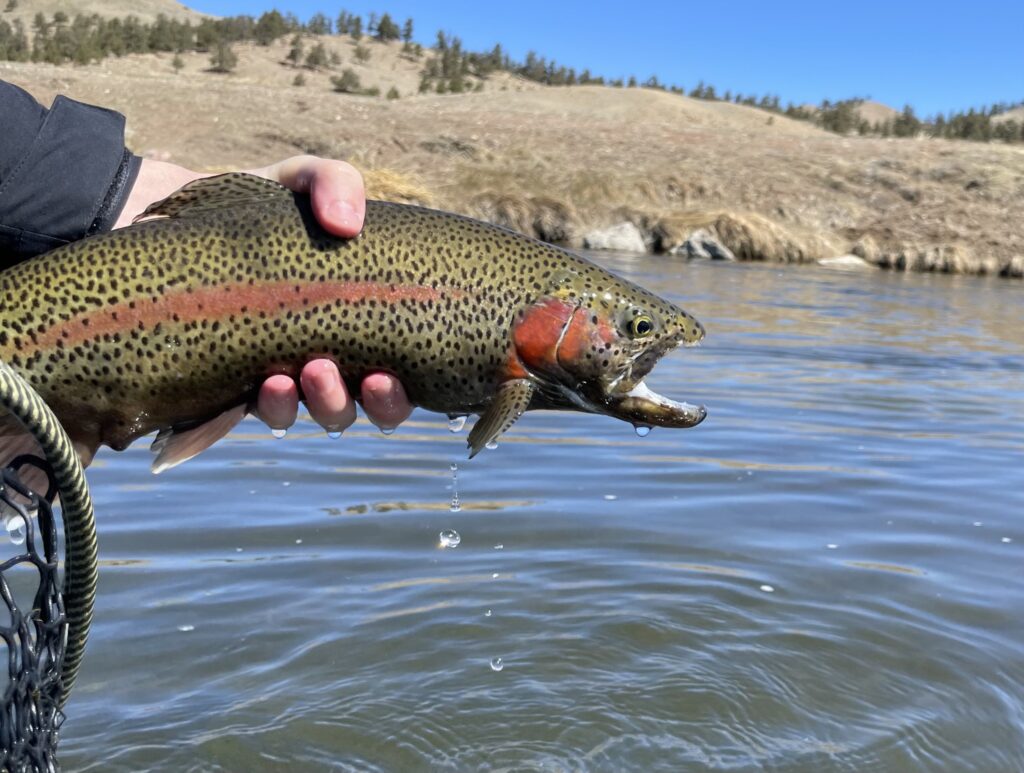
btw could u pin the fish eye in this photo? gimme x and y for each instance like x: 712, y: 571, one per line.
x: 640, y: 326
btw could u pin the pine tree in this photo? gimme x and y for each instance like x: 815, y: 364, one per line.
x: 295, y: 53
x: 407, y: 31
x: 317, y: 57
x: 347, y: 82
x: 387, y: 29
x: 356, y: 27
x: 223, y: 60
x: 319, y: 25
x: 270, y: 27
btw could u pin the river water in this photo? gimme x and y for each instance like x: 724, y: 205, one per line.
x: 827, y: 575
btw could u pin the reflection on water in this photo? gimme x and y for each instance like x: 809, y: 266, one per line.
x: 824, y: 576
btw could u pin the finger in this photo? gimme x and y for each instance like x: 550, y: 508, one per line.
x: 278, y: 402
x: 326, y: 397
x: 384, y: 400
x: 335, y: 188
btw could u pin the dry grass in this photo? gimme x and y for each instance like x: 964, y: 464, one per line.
x: 557, y: 162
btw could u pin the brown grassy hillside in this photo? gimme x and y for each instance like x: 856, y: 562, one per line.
x: 560, y: 161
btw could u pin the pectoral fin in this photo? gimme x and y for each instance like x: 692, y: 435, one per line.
x: 511, y: 402
x: 174, y: 446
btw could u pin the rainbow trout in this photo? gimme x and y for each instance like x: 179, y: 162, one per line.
x: 172, y: 324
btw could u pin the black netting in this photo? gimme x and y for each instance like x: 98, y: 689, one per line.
x: 33, y: 627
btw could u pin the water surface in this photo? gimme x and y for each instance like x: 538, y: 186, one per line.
x: 826, y: 575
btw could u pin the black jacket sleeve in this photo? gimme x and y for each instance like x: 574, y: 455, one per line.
x: 64, y: 172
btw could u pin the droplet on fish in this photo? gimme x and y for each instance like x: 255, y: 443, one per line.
x: 456, y: 423
x: 449, y: 538
x: 487, y: 613
x: 492, y: 445
x: 642, y: 430
x: 387, y: 430
x: 279, y: 433
x: 497, y: 664
x: 17, y: 531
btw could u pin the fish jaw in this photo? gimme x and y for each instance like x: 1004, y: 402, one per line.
x: 642, y: 406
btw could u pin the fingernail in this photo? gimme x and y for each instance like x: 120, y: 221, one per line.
x: 345, y: 216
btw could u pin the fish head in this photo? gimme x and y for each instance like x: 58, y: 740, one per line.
x: 591, y: 341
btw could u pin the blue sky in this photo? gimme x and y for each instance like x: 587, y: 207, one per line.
x: 934, y: 55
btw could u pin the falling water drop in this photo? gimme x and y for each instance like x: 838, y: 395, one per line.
x: 279, y: 433
x: 642, y: 430
x: 456, y: 504
x: 334, y: 432
x: 487, y: 613
x: 497, y: 664
x: 491, y: 445
x: 387, y: 430
x: 449, y: 538
x: 456, y: 423
x: 17, y: 531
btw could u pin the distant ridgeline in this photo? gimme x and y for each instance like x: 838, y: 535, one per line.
x: 447, y: 68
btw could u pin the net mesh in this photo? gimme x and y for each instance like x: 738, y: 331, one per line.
x: 33, y: 627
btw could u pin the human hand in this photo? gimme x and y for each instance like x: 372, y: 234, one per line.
x: 339, y: 205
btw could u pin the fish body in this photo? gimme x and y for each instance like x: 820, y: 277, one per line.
x: 176, y: 321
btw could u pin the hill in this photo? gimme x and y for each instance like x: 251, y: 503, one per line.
x: 145, y: 10
x: 560, y: 161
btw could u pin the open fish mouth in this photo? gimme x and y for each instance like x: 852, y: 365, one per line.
x: 641, y: 405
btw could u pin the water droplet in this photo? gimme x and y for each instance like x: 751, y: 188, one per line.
x: 252, y: 491
x: 17, y: 531
x: 387, y: 430
x: 456, y: 423
x: 239, y: 550
x: 767, y: 588
x: 977, y: 523
x: 497, y: 664
x: 487, y: 613
x: 279, y: 433
x: 298, y: 542
x: 610, y: 497
x: 1007, y: 539
x: 492, y: 445
x: 642, y: 430
x: 456, y: 504
x: 495, y: 576
x: 832, y: 546
x: 449, y: 538
x: 334, y: 434
x: 499, y: 546
x: 186, y: 628
x: 286, y: 483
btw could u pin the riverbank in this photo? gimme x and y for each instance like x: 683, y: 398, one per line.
x: 563, y: 162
